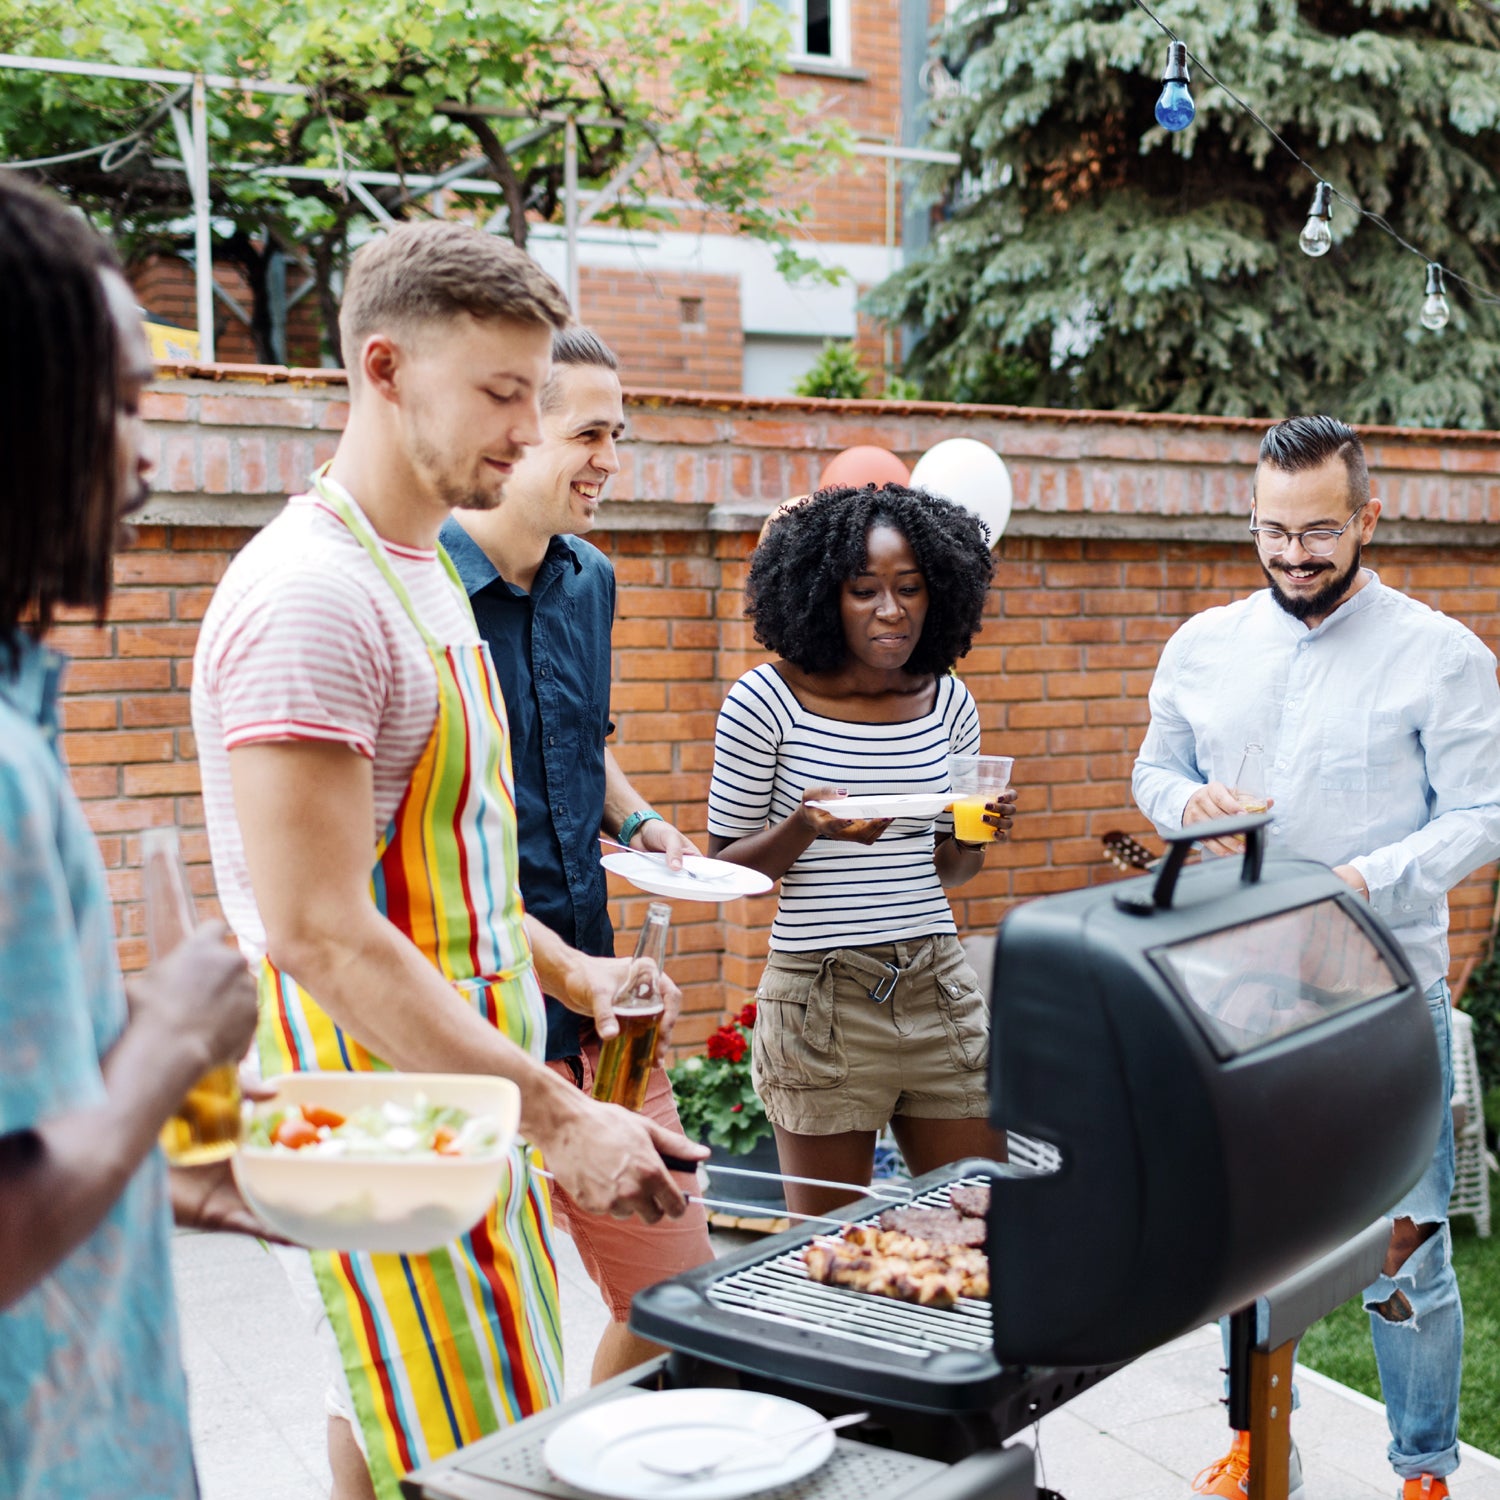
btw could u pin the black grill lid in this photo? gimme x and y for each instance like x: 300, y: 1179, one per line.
x: 1238, y: 1068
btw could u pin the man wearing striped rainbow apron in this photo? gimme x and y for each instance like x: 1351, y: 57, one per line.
x: 357, y: 788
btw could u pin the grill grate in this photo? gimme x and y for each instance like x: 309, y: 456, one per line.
x: 780, y: 1291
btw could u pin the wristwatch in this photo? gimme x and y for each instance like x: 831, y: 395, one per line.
x: 632, y: 824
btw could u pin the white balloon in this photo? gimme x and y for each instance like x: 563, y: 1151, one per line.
x: 971, y: 474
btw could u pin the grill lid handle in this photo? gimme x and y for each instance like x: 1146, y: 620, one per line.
x: 1252, y: 825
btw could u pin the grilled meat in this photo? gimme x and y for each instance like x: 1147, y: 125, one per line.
x: 938, y: 1226
x: 889, y: 1263
x: 971, y: 1202
x: 926, y: 1282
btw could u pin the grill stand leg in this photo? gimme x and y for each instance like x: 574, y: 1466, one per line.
x: 1260, y: 1403
x: 1271, y: 1421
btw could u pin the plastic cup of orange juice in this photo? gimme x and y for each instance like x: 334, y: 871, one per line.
x: 977, y: 781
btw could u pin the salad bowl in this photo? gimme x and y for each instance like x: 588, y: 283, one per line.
x: 395, y: 1162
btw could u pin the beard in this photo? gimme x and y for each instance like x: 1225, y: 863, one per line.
x: 455, y: 491
x: 1323, y: 599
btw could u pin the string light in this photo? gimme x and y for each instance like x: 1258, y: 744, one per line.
x: 1434, y: 304
x: 1174, y: 109
x: 1316, y: 238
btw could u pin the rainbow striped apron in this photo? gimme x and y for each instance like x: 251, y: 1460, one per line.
x: 441, y: 1349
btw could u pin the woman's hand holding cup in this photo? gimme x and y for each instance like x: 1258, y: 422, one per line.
x: 983, y: 804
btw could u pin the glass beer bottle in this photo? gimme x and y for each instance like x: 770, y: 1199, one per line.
x: 1250, y: 783
x: 625, y: 1060
x: 206, y: 1127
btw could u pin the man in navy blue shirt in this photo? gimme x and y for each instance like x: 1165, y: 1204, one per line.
x: 545, y: 601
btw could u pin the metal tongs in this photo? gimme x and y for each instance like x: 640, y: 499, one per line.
x: 882, y: 1192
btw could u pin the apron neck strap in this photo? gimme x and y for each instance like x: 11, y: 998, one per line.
x: 333, y: 494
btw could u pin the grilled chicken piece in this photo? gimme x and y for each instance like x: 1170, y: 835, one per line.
x: 972, y: 1266
x: 926, y: 1282
x: 938, y: 1226
x: 888, y: 1263
x: 971, y: 1202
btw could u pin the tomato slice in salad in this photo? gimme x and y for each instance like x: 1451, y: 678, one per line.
x: 295, y: 1132
x: 317, y: 1116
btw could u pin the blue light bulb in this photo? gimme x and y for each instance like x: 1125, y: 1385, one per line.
x: 1174, y: 109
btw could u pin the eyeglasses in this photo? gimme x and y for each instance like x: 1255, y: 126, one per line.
x: 1319, y: 542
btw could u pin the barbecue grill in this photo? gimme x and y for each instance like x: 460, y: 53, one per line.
x: 1210, y: 1077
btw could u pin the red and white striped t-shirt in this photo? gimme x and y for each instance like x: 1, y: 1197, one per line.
x: 305, y: 640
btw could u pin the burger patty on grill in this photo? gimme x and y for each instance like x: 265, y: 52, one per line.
x: 938, y: 1226
x: 971, y: 1202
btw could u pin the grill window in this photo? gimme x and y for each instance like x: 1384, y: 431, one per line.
x: 1261, y: 980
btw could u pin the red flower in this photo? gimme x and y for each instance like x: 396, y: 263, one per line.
x: 747, y: 1016
x: 728, y: 1043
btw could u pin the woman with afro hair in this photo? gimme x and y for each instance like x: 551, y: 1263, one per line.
x: 868, y: 1012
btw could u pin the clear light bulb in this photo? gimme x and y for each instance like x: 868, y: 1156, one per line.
x: 1317, y: 238
x: 1174, y: 109
x: 1435, y: 305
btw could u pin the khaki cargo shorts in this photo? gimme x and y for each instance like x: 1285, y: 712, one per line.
x: 850, y: 1037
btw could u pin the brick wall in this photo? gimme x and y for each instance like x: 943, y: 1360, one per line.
x: 678, y: 330
x: 1124, y: 526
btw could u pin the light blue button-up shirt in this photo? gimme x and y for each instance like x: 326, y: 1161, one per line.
x: 93, y: 1401
x: 1380, y: 730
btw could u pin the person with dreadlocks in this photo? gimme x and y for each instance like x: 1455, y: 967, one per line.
x: 868, y: 1013
x: 93, y: 1400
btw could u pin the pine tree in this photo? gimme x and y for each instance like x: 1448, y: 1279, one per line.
x: 1087, y: 258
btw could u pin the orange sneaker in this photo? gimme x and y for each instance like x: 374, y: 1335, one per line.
x: 1229, y: 1477
x: 1426, y: 1487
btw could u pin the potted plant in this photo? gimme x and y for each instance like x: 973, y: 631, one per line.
x: 718, y: 1105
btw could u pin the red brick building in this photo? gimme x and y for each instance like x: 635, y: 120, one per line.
x: 1124, y: 525
x: 700, y: 309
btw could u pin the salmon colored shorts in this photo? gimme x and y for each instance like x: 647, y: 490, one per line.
x: 624, y: 1256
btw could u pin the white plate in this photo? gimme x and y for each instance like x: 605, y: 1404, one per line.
x: 599, y: 1449
x: 919, y: 805
x: 718, y: 879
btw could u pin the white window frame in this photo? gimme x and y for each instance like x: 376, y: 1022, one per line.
x: 841, y: 53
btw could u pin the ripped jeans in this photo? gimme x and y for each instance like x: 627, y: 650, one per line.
x: 1419, y: 1330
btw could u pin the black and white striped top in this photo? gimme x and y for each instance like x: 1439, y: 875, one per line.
x: 768, y: 749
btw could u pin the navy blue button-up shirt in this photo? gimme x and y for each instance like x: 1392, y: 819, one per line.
x: 552, y: 654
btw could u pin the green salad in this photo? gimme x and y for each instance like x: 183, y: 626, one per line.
x: 390, y: 1129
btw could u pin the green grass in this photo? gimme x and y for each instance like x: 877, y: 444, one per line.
x: 1339, y: 1346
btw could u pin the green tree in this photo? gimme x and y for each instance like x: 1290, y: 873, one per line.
x: 685, y: 89
x: 1087, y: 258
x: 836, y: 373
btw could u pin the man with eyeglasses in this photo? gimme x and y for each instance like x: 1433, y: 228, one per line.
x: 1380, y: 724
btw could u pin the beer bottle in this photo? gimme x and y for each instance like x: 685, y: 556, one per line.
x: 1250, y: 781
x: 625, y: 1060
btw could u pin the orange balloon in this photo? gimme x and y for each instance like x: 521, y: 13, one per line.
x: 864, y: 465
x: 780, y: 510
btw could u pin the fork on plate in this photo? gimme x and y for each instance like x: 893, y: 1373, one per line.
x: 800, y: 1438
x: 661, y: 858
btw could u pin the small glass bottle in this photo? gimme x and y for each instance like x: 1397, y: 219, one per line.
x: 625, y: 1060
x: 206, y: 1127
x: 1250, y: 781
